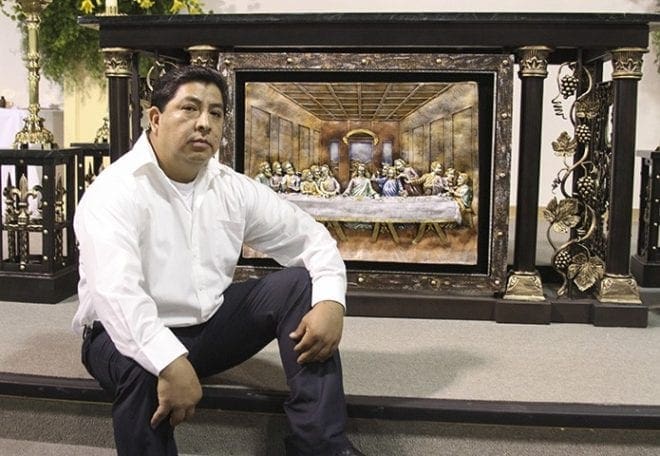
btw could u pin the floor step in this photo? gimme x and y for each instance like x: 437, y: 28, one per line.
x: 38, y: 427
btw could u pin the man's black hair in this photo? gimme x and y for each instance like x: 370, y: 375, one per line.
x: 166, y: 86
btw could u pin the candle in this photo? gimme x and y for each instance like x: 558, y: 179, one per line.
x: 111, y: 7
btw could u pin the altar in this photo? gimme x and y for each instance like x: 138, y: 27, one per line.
x: 277, y: 53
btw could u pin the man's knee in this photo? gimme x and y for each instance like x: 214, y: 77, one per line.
x: 136, y: 377
x: 289, y: 292
x: 297, y: 276
x: 298, y: 284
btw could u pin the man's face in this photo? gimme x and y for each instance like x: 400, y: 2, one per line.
x: 187, y: 133
x: 265, y: 168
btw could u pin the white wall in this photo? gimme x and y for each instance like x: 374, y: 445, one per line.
x: 13, y: 81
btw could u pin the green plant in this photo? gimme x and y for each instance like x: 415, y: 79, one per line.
x: 69, y: 52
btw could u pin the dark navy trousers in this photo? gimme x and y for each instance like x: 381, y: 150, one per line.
x: 253, y: 313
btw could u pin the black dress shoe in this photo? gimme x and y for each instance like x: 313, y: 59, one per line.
x: 352, y: 451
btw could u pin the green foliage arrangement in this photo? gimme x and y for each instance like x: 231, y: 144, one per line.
x: 70, y: 52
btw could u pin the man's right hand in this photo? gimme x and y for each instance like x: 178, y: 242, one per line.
x: 179, y: 392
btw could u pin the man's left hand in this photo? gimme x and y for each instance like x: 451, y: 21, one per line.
x: 319, y: 332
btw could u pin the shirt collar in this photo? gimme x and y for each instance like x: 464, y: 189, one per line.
x: 145, y: 158
x: 143, y: 154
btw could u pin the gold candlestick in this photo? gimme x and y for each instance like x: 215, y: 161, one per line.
x: 111, y: 8
x: 33, y: 134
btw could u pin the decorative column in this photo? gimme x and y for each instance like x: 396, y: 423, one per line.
x: 118, y: 71
x: 524, y: 282
x: 33, y: 135
x: 617, y: 285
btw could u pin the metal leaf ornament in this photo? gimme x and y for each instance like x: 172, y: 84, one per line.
x: 562, y: 215
x: 585, y: 271
x: 564, y: 146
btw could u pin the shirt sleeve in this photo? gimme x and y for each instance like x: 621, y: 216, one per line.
x: 107, y: 230
x: 292, y: 237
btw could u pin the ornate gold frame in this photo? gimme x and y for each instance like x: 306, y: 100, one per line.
x: 385, y: 281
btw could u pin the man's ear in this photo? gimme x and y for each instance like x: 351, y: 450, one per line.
x: 153, y: 115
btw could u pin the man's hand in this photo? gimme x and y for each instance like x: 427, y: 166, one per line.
x: 319, y: 332
x: 178, y: 393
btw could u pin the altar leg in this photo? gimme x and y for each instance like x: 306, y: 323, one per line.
x: 618, y: 287
x: 524, y: 282
x: 118, y: 64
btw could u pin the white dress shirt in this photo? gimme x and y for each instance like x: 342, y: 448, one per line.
x: 148, y: 262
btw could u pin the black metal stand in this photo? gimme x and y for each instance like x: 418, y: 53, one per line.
x: 89, y: 163
x: 39, y: 260
x: 645, y: 264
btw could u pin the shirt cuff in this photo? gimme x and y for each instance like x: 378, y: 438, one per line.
x: 160, y: 351
x: 329, y: 288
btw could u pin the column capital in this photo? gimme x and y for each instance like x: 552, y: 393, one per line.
x: 627, y: 63
x: 533, y: 61
x: 117, y: 62
x: 203, y: 55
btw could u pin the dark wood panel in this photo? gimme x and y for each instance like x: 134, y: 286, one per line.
x: 495, y: 32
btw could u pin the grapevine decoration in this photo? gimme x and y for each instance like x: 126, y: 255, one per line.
x: 578, y: 211
x: 567, y: 86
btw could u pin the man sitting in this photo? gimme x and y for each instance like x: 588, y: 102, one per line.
x: 160, y: 233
